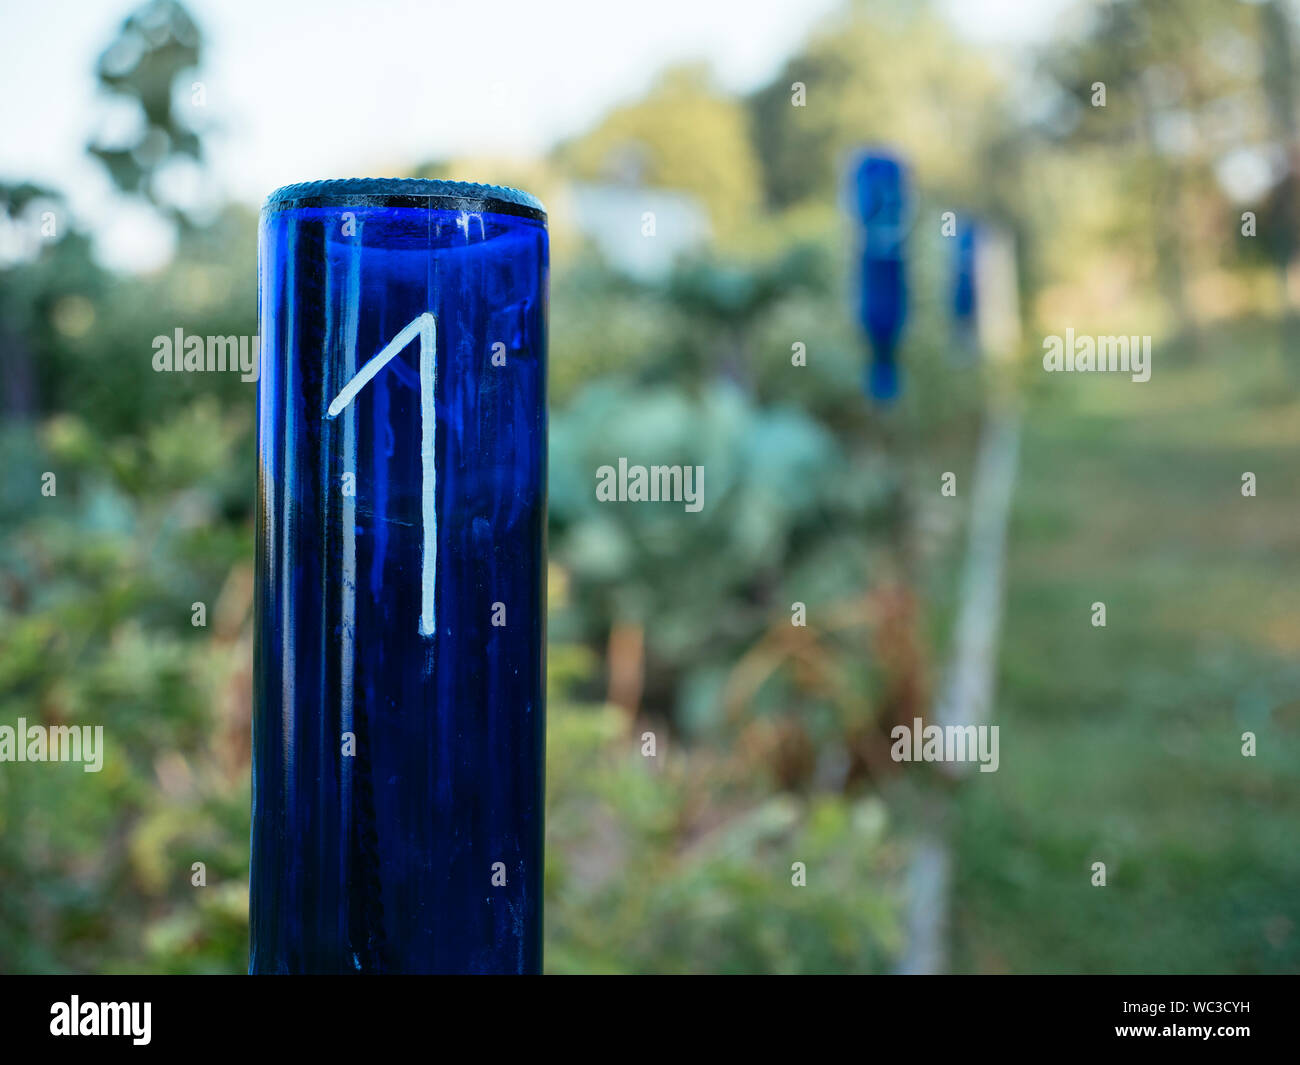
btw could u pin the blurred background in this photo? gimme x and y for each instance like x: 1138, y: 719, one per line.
x: 137, y: 144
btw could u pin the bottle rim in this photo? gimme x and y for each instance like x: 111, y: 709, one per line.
x: 430, y: 193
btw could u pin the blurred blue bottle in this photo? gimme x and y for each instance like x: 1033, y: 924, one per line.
x: 879, y: 202
x: 965, y: 293
x: 398, y: 729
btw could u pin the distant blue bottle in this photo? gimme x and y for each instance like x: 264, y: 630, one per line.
x: 880, y: 204
x: 398, y: 727
x: 965, y: 293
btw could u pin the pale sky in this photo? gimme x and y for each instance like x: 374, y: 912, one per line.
x: 332, y: 88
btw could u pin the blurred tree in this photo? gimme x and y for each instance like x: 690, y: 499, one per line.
x: 684, y: 134
x: 1159, y: 88
x: 890, y: 72
x: 52, y: 265
x: 156, y: 43
x: 1276, y: 38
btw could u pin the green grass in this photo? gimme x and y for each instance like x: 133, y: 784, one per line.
x: 1123, y: 744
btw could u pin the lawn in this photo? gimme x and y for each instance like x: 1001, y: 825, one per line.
x: 1123, y: 744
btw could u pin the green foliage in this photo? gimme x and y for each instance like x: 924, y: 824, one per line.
x: 677, y: 863
x: 95, y: 622
x: 784, y: 503
x: 685, y: 135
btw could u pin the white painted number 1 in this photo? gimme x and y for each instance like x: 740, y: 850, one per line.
x: 426, y: 326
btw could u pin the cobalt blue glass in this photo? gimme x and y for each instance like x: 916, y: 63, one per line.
x: 964, y: 291
x: 398, y: 727
x: 880, y: 204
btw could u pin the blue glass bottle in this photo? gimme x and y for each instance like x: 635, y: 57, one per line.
x: 398, y: 731
x: 880, y: 203
x: 964, y: 290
